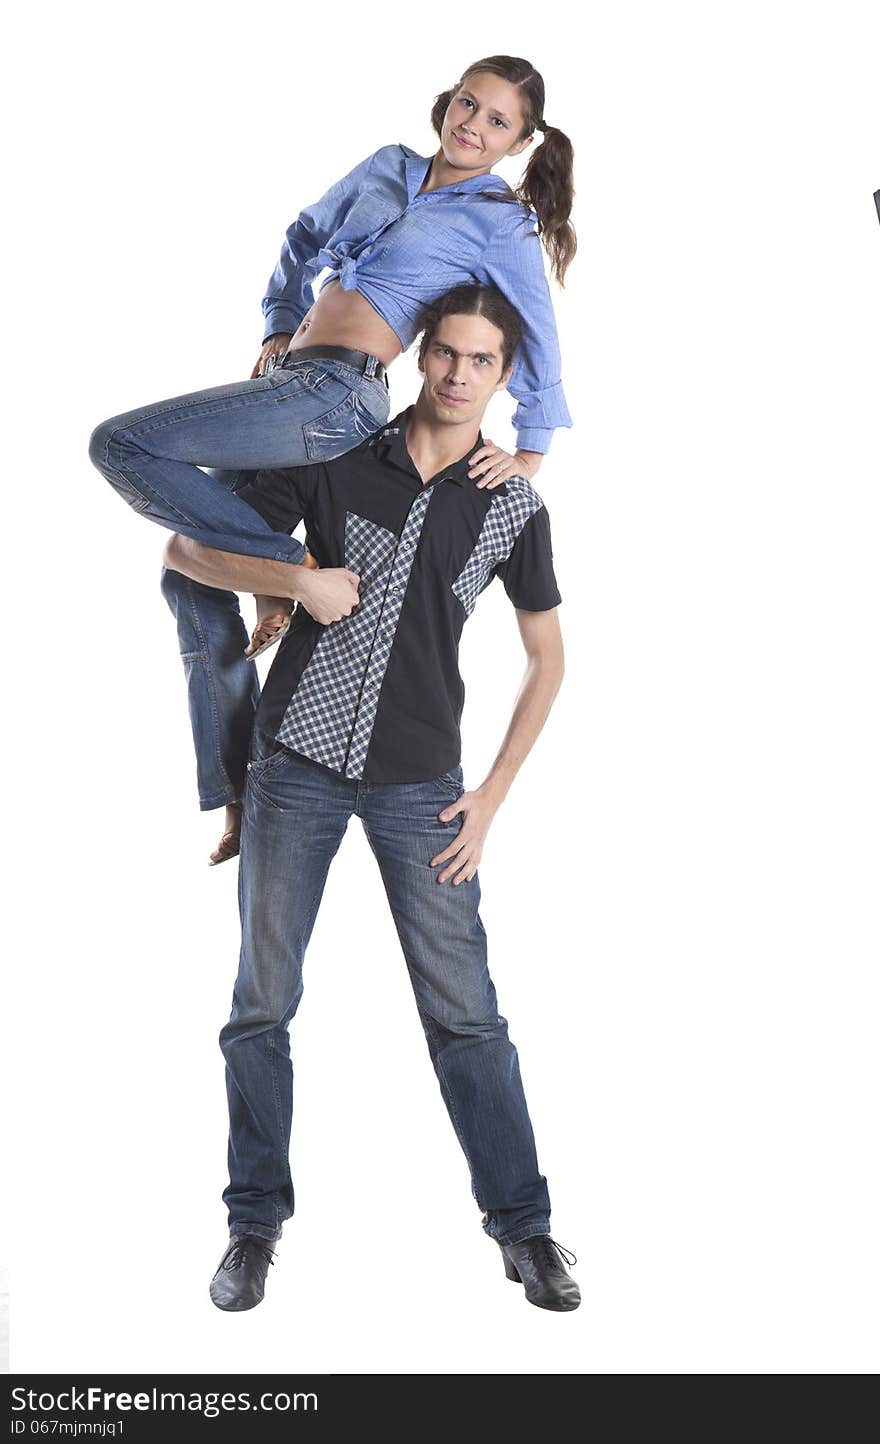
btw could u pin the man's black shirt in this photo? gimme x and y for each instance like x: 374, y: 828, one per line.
x: 378, y: 694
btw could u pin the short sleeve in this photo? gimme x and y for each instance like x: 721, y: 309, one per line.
x: 527, y: 573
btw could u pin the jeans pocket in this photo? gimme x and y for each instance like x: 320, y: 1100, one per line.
x: 374, y: 400
x: 365, y: 420
x: 336, y: 432
x: 452, y: 782
x: 267, y: 753
x: 310, y: 377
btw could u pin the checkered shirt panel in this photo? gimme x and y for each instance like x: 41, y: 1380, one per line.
x: 319, y: 718
x: 390, y: 615
x: 504, y: 521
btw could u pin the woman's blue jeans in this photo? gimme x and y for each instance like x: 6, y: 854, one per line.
x: 294, y: 818
x: 222, y: 686
x: 179, y: 463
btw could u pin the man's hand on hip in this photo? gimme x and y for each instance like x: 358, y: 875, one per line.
x: 466, y: 850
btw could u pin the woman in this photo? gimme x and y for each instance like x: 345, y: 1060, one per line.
x: 395, y: 232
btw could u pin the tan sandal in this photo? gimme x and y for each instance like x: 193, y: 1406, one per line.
x: 229, y: 846
x: 263, y: 636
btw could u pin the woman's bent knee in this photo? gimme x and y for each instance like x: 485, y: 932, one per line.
x: 171, y: 583
x: 99, y: 443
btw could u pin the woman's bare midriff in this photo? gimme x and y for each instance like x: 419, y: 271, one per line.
x: 346, y: 318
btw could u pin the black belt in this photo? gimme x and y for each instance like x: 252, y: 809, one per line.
x: 358, y: 359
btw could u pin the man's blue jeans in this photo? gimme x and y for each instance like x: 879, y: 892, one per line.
x: 295, y: 816
x: 178, y: 463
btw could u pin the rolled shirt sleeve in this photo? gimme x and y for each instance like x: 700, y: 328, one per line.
x: 289, y: 296
x: 515, y: 265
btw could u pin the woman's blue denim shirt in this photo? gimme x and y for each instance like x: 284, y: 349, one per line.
x: 401, y: 249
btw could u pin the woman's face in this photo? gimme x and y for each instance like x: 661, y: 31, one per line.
x: 483, y: 123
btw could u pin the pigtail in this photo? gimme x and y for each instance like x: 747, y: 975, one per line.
x: 548, y: 187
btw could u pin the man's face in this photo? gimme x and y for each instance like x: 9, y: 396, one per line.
x: 462, y: 367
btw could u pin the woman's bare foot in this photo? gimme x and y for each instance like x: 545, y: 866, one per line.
x: 230, y: 843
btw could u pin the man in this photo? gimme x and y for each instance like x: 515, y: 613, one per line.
x: 360, y: 714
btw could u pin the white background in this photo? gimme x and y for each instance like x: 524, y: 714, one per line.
x: 679, y: 892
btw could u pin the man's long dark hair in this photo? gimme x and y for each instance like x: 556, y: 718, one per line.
x: 473, y: 300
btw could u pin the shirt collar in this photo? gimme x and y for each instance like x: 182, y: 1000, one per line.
x: 416, y: 168
x: 391, y: 445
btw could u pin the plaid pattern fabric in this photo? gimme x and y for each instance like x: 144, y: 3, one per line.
x: 333, y: 709
x: 392, y: 603
x: 504, y: 521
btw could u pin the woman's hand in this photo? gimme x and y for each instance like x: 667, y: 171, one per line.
x: 464, y: 852
x: 275, y: 346
x: 490, y: 465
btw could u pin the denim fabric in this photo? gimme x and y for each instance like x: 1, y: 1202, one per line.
x: 295, y: 816
x: 303, y: 411
x: 223, y: 688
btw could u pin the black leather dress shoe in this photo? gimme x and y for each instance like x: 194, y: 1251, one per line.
x: 240, y: 1280
x: 536, y: 1263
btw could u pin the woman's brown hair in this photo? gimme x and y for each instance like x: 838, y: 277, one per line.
x: 548, y: 183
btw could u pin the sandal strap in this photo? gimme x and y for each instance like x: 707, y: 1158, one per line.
x: 228, y: 846
x: 268, y: 626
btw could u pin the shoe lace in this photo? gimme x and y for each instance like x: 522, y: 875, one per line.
x: 239, y: 1247
x: 549, y: 1251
